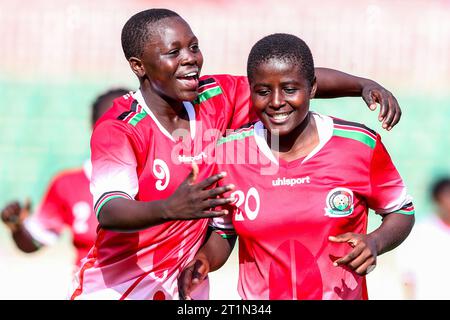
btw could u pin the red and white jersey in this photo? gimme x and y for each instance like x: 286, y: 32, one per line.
x: 67, y: 203
x: 285, y: 211
x: 134, y: 157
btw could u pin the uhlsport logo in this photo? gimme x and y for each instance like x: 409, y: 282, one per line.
x: 339, y: 203
x: 290, y: 181
x: 189, y: 159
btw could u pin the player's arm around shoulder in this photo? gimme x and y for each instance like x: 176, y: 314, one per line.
x: 333, y: 83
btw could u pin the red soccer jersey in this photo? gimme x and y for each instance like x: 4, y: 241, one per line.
x: 285, y: 211
x: 67, y: 203
x: 134, y: 157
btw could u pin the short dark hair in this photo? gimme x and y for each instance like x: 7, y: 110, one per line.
x: 439, y: 186
x: 136, y: 31
x: 110, y: 94
x: 282, y: 46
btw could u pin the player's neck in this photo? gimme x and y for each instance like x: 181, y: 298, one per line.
x: 170, y: 113
x: 298, y: 143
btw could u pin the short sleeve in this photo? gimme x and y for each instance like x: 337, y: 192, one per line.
x: 114, y: 175
x: 388, y: 192
x: 223, y: 226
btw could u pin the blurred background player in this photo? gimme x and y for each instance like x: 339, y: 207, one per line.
x: 67, y: 203
x: 424, y: 257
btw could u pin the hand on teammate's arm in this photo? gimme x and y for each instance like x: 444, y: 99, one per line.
x: 363, y: 257
x: 211, y: 256
x: 189, y: 201
x: 333, y: 84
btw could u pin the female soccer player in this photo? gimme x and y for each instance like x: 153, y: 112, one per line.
x: 303, y: 185
x: 150, y: 203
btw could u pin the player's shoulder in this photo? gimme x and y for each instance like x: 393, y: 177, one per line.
x: 208, y: 87
x: 238, y: 135
x: 124, y: 111
x: 212, y: 85
x: 68, y: 176
x: 221, y: 79
x: 354, y: 131
x: 120, y: 104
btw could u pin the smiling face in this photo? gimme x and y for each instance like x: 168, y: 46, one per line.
x: 280, y: 95
x: 171, y: 60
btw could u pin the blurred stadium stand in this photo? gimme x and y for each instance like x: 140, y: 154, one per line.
x: 57, y: 55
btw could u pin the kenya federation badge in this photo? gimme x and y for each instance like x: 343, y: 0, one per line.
x: 339, y: 203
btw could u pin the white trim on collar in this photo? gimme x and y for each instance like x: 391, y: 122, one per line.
x: 261, y: 142
x: 324, y: 126
x: 187, y: 105
x: 191, y: 114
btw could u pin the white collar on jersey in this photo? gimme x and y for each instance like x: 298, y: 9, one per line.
x: 187, y: 105
x: 261, y: 142
x: 87, y: 168
x: 324, y: 127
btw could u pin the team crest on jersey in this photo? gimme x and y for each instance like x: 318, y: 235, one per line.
x: 339, y: 203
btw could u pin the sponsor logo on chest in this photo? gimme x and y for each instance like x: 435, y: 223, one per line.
x: 290, y: 181
x: 188, y: 159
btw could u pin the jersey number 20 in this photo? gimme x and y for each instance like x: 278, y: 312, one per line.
x: 250, y: 201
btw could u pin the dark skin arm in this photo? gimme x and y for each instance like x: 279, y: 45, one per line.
x: 366, y: 247
x: 13, y: 215
x: 211, y: 256
x: 190, y: 201
x: 333, y: 84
